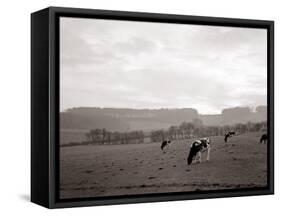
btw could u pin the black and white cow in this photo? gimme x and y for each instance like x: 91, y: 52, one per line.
x: 228, y: 135
x: 165, y: 145
x: 196, y: 149
x: 263, y: 138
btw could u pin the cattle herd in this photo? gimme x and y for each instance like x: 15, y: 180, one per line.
x: 203, y: 145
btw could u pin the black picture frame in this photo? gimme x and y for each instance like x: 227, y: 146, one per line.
x: 45, y: 105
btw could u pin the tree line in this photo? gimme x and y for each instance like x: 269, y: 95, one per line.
x: 185, y: 130
x: 103, y: 137
x: 188, y: 130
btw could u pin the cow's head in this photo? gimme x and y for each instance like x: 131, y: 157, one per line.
x: 206, y: 142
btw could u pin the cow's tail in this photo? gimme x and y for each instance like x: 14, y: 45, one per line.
x: 190, y: 156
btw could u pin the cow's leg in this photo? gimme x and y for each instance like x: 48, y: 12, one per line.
x: 199, y: 157
x: 196, y: 158
x: 208, y: 153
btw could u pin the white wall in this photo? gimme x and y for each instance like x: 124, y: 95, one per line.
x: 15, y: 106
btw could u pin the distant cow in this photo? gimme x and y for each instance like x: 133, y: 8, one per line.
x: 165, y: 144
x: 263, y: 138
x: 196, y: 148
x: 228, y: 135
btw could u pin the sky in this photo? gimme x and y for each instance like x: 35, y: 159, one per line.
x: 125, y: 64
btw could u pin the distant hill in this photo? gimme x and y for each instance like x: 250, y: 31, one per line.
x: 115, y: 119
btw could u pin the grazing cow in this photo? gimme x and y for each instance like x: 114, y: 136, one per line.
x: 228, y: 135
x: 263, y: 138
x: 164, y: 145
x: 197, y: 148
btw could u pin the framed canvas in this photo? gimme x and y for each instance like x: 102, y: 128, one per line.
x: 132, y: 107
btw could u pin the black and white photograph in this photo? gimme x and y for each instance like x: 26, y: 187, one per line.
x: 151, y: 108
x: 144, y: 107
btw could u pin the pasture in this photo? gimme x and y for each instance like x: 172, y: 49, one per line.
x: 106, y: 170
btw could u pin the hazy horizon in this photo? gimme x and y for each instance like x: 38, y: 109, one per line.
x: 252, y: 109
x: 142, y: 65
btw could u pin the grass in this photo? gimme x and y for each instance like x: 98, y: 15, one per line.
x: 96, y: 171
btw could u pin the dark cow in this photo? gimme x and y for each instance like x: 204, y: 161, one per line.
x: 228, y: 135
x: 197, y: 148
x: 165, y: 145
x: 263, y: 138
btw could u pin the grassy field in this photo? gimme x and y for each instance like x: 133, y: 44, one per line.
x: 94, y: 171
x: 72, y: 135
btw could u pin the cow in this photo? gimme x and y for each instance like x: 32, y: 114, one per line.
x: 165, y: 145
x: 228, y: 135
x: 263, y: 138
x: 196, y: 149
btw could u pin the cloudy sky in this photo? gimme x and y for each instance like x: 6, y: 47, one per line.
x: 105, y: 63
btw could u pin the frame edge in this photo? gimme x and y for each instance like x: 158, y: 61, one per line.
x: 39, y: 107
